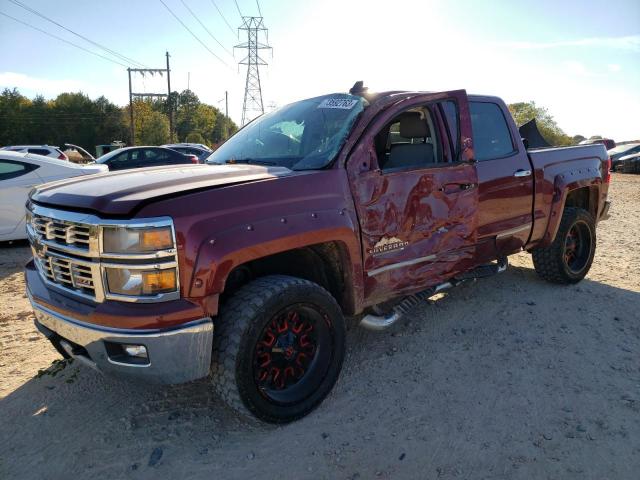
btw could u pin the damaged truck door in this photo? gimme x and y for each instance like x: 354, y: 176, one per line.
x: 417, y: 203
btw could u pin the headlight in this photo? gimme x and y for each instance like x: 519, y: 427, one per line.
x: 136, y: 240
x: 135, y: 282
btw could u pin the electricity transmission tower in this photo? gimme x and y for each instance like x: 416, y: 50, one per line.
x: 252, y: 105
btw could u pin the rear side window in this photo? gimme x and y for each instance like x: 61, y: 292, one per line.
x: 10, y: 169
x: 39, y: 151
x: 491, y: 137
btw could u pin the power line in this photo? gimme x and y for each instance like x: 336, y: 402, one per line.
x: 204, y: 26
x: 239, y: 12
x: 258, y: 4
x: 223, y: 18
x: 193, y: 34
x: 63, y: 40
x: 106, y: 49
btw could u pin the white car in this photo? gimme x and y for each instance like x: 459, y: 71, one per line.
x: 19, y: 172
x: 45, y: 150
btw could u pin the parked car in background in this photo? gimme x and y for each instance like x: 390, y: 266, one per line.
x: 622, y: 151
x: 44, y: 150
x: 607, y: 142
x: 199, y: 150
x: 140, y: 157
x: 19, y: 172
x: 629, y: 163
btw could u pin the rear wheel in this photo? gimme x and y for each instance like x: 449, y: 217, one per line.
x: 278, y: 348
x: 569, y: 258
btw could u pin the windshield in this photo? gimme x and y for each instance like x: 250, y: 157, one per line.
x: 622, y: 148
x: 304, y: 135
x: 109, y: 155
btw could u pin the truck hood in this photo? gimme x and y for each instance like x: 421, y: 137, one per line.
x: 120, y: 193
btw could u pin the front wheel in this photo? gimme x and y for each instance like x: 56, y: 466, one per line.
x: 570, y: 255
x: 278, y: 348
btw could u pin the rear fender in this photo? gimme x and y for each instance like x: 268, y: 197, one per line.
x: 563, y: 185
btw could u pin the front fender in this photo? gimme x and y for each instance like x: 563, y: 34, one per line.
x: 223, y: 251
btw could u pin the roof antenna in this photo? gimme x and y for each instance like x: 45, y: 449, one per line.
x: 359, y: 89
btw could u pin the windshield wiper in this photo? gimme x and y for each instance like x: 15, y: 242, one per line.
x: 251, y: 161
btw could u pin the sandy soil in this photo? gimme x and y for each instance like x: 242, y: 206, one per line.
x: 505, y: 378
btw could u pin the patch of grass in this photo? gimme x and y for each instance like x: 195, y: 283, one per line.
x: 56, y: 367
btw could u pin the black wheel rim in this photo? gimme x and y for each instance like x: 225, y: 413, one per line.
x: 577, y: 247
x: 293, y: 354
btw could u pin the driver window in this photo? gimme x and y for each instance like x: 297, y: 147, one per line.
x: 408, y: 142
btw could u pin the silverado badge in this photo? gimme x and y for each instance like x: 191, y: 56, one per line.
x: 387, y: 245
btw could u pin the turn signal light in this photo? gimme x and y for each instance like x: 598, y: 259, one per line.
x: 607, y: 176
x: 159, y: 281
x: 156, y: 239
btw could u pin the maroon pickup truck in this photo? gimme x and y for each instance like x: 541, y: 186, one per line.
x: 243, y: 269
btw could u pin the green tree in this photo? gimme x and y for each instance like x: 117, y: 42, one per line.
x: 151, y: 127
x: 76, y: 118
x: 194, y: 137
x: 523, y: 112
x: 576, y: 139
x: 155, y: 130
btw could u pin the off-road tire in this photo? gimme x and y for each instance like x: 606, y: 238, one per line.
x: 238, y: 329
x: 549, y: 262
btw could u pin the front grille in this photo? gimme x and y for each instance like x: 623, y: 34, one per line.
x: 67, y: 252
x: 66, y: 272
x: 62, y: 232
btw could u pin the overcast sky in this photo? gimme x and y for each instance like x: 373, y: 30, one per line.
x: 580, y: 59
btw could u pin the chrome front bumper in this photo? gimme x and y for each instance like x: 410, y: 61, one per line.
x: 174, y: 356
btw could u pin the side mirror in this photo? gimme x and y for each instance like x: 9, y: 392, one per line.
x: 525, y: 141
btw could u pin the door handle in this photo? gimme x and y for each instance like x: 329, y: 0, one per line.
x: 522, y: 173
x: 456, y: 187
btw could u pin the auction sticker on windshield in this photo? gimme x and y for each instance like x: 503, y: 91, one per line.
x: 343, y: 103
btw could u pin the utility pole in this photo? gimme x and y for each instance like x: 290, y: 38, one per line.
x: 226, y: 114
x: 131, y: 130
x: 169, y: 104
x: 252, y: 105
x: 135, y: 95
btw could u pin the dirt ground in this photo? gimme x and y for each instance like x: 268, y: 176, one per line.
x: 505, y: 378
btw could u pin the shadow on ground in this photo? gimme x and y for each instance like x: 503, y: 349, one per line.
x: 507, y: 377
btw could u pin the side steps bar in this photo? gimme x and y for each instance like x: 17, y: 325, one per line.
x: 381, y: 322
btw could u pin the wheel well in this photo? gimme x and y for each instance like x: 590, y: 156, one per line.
x: 585, y: 198
x: 321, y: 263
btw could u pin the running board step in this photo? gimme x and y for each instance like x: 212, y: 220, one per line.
x: 381, y: 322
x: 484, y: 271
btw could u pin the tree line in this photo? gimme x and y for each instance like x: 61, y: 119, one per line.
x: 523, y: 112
x: 77, y: 119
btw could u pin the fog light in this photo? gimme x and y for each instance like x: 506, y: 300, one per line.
x: 127, y: 354
x: 139, y: 351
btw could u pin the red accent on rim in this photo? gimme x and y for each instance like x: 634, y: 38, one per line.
x: 284, y: 352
